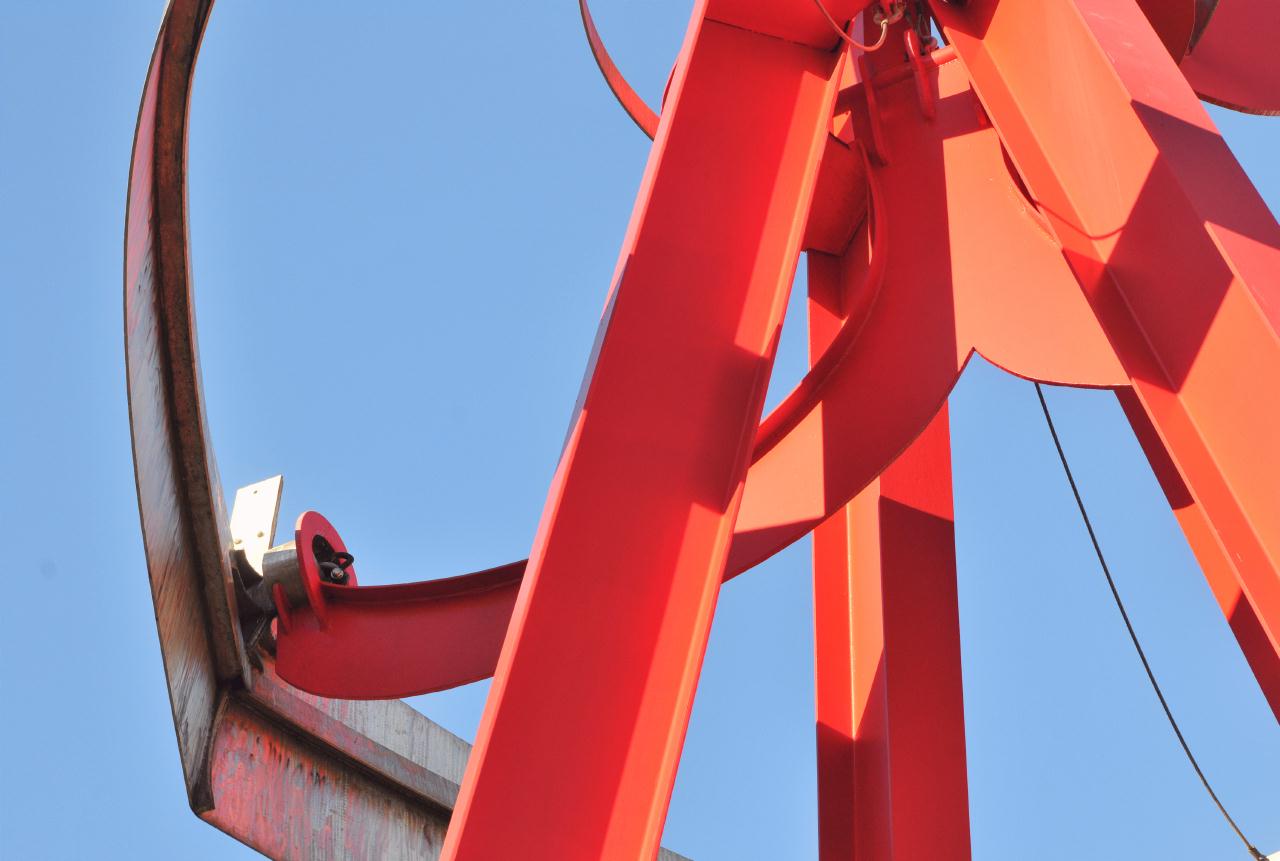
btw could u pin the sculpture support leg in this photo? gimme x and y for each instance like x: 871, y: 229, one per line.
x: 577, y: 750
x: 892, y: 782
x: 1215, y: 561
x: 1177, y: 253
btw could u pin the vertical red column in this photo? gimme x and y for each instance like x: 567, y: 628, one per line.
x: 577, y: 750
x: 892, y: 780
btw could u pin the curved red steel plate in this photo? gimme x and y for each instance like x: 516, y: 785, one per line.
x: 1235, y: 63
x: 630, y: 100
x: 180, y: 503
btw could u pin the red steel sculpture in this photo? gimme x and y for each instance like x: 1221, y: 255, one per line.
x: 1045, y: 188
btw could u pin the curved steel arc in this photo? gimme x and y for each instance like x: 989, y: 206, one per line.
x: 913, y: 327
x: 1234, y: 63
x: 801, y: 400
x: 644, y: 116
x: 1218, y: 55
x: 184, y: 528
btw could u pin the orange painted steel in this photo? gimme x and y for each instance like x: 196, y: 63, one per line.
x: 243, y: 735
x: 888, y: 699
x: 1175, y: 250
x: 1046, y: 190
x: 1214, y: 557
x: 643, y: 115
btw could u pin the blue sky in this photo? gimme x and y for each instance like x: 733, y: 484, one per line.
x: 414, y: 210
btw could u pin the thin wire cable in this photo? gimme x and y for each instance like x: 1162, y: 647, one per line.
x: 849, y: 40
x: 1142, y: 655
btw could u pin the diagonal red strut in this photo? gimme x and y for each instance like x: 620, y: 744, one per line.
x: 596, y: 677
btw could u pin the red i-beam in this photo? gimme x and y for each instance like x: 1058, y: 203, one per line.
x: 597, y: 674
x: 892, y: 780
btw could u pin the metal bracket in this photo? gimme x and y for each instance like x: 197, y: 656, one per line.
x: 253, y: 526
x: 271, y: 579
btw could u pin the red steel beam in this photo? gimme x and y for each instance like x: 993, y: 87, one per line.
x: 892, y: 782
x: 597, y: 674
x: 903, y: 536
x: 1233, y: 63
x: 1177, y: 253
x: 1215, y: 560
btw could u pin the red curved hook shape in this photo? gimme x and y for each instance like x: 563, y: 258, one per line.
x: 630, y: 100
x: 968, y: 266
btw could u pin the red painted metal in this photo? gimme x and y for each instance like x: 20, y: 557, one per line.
x: 1214, y: 557
x: 892, y: 781
x: 1175, y: 250
x: 453, y: 628
x: 1174, y: 22
x: 635, y: 535
x: 1046, y: 190
x: 914, y: 321
x: 1234, y: 63
x: 311, y: 526
x: 641, y: 113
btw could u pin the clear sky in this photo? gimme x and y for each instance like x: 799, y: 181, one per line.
x: 412, y: 210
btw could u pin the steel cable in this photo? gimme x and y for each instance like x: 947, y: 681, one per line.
x: 880, y: 18
x: 1142, y: 655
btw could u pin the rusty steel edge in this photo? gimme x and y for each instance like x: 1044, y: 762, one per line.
x: 213, y: 686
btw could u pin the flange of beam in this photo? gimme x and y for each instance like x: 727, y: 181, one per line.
x: 1177, y: 253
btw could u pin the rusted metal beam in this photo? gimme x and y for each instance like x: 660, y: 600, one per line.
x: 892, y: 781
x: 299, y: 777
x: 292, y: 775
x: 302, y: 777
x: 179, y: 497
